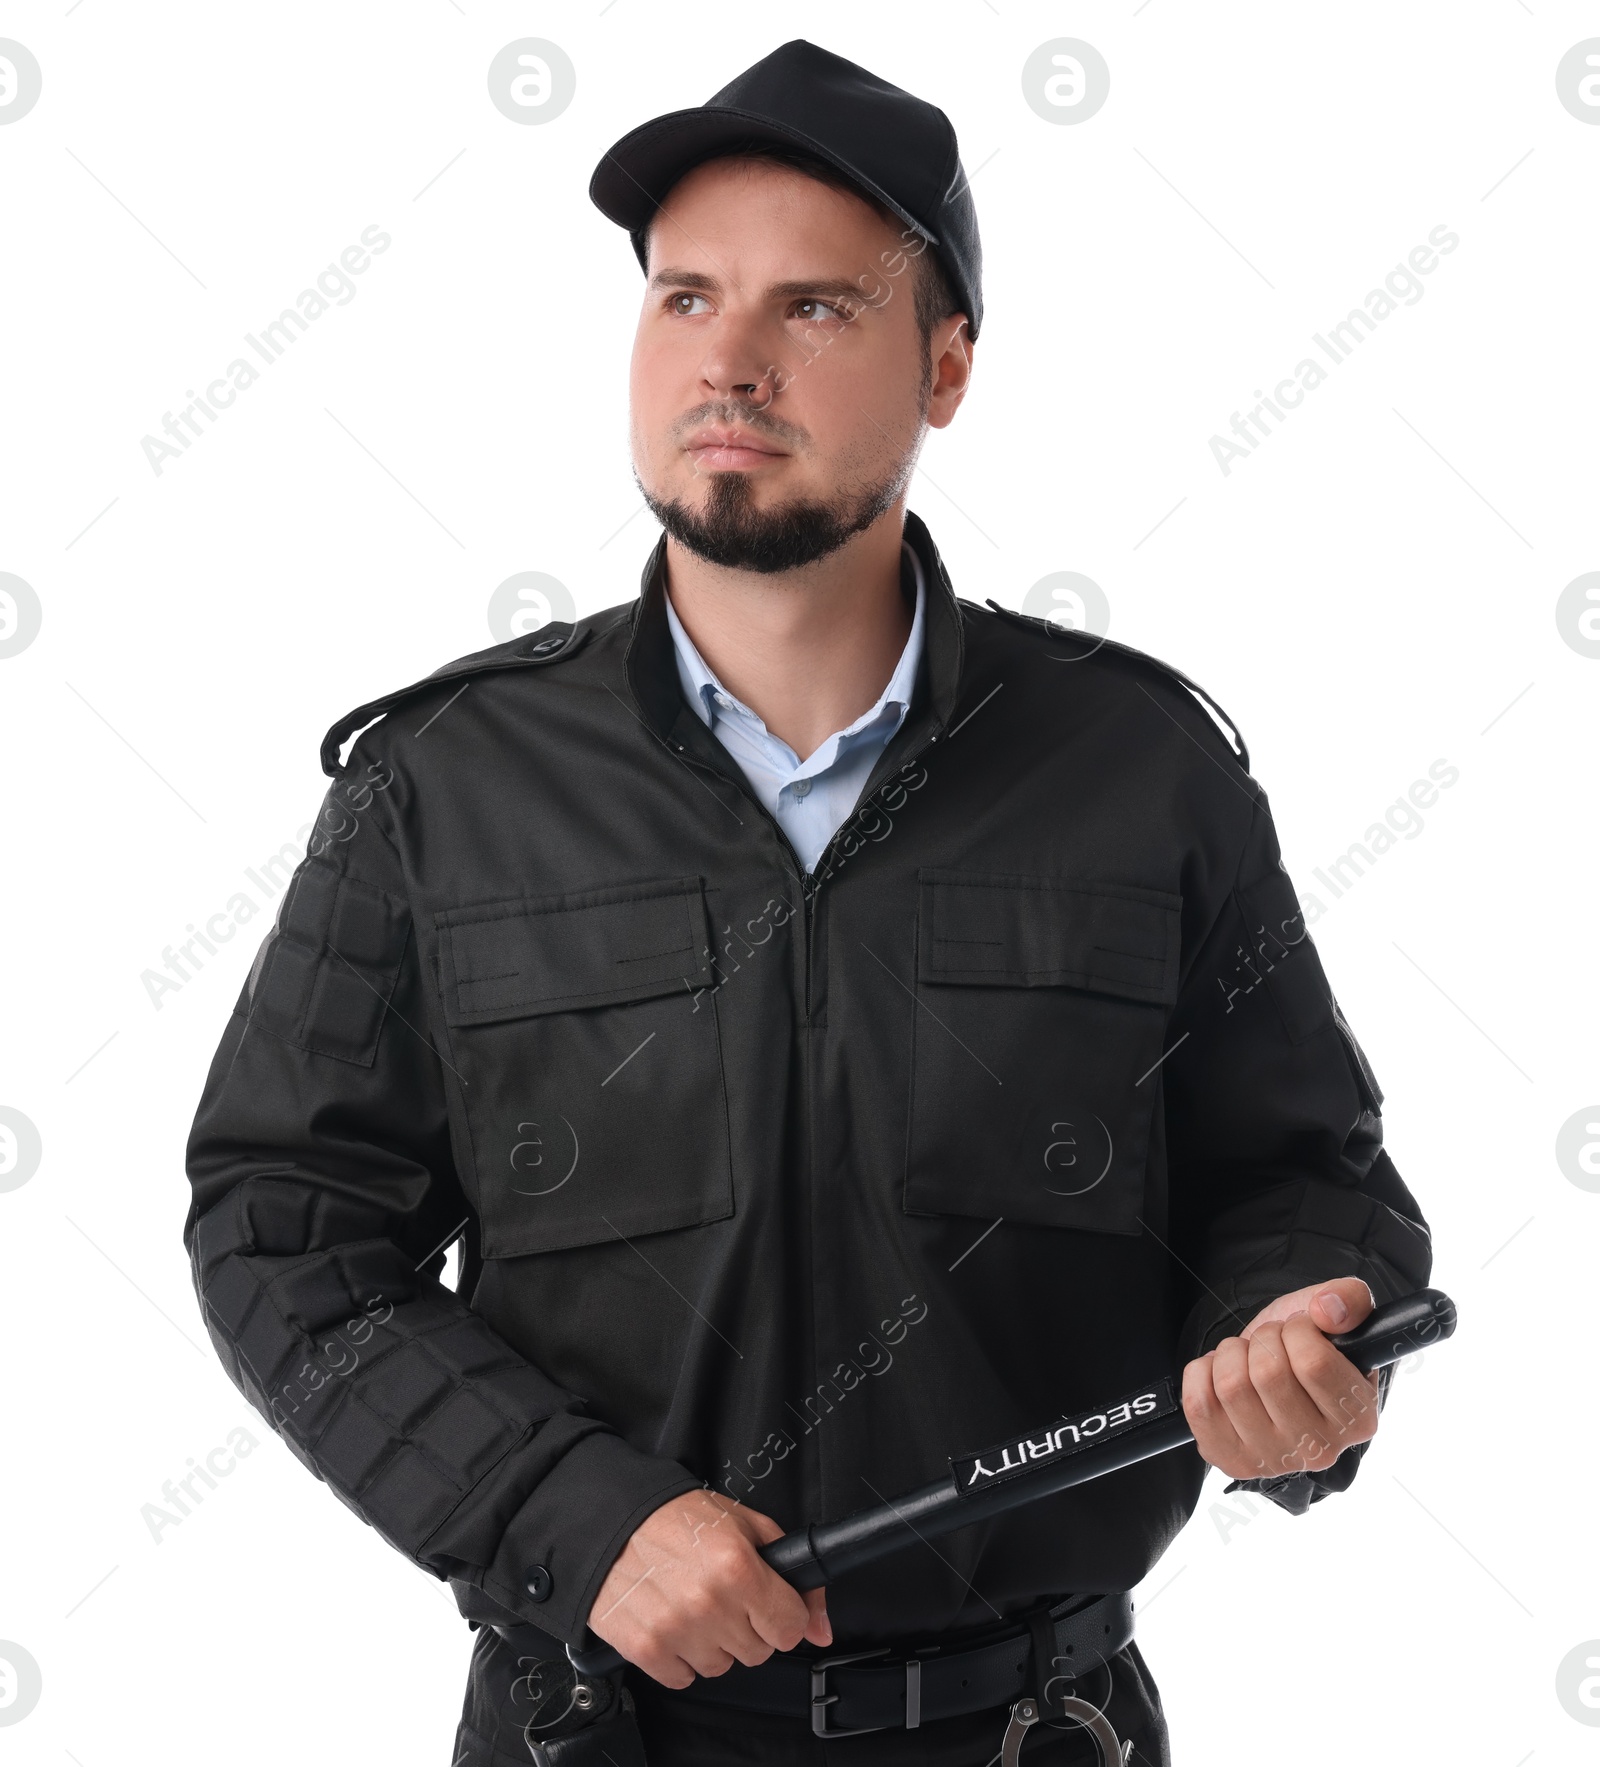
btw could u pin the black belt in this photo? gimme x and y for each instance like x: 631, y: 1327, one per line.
x: 852, y: 1691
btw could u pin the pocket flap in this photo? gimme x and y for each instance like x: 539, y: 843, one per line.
x: 1027, y: 932
x: 547, y: 954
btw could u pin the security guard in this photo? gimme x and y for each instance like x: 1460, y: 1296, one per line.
x: 845, y: 1022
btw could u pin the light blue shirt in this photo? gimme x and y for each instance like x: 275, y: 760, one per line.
x: 813, y: 797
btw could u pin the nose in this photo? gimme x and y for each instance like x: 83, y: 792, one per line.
x: 738, y: 364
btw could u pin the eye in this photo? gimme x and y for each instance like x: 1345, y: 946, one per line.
x: 675, y: 303
x: 811, y: 308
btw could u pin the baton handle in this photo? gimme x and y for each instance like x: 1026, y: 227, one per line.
x: 1389, y: 1334
x: 815, y: 1555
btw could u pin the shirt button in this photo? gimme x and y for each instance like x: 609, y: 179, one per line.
x: 802, y: 787
x: 536, y: 1580
x: 720, y: 698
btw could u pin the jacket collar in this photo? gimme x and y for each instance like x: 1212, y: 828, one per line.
x: 652, y: 668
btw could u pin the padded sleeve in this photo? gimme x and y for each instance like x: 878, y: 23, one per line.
x: 323, y: 1190
x: 1279, y: 1175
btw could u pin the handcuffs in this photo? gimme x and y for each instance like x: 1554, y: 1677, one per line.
x: 1025, y: 1714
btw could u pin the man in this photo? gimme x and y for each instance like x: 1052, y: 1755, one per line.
x: 847, y: 1024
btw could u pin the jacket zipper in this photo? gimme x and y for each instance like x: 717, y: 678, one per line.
x: 809, y: 890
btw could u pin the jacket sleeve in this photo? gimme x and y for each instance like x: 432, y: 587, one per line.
x: 323, y: 1193
x: 1279, y: 1177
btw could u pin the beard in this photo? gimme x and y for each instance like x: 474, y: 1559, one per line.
x: 729, y: 530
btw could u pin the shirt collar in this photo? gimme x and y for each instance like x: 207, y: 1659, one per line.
x: 650, y: 668
x: 701, y: 686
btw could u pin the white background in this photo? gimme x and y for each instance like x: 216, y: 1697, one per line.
x: 1368, y: 592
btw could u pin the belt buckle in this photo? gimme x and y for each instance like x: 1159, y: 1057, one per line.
x: 821, y: 1699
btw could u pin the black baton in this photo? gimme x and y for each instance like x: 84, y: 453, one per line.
x: 1065, y: 1452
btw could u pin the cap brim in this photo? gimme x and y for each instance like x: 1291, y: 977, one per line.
x: 637, y: 172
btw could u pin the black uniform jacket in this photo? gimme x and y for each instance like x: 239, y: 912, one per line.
x: 793, y: 1186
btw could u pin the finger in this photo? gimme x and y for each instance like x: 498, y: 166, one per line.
x: 1349, y: 1293
x: 677, y: 1677
x: 1346, y: 1398
x: 709, y: 1659
x: 661, y: 1663
x: 653, y: 1636
x: 738, y: 1603
x: 630, y: 1621
x: 1230, y: 1375
x: 819, y: 1628
x: 1340, y: 1305
x: 675, y: 1641
x: 1214, y: 1434
x: 776, y: 1610
x: 1299, y: 1434
x: 715, y: 1629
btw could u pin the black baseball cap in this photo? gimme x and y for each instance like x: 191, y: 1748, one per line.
x: 898, y: 148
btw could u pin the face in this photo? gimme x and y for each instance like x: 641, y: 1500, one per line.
x: 780, y: 388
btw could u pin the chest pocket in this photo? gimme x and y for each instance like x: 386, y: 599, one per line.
x: 590, y: 1063
x: 1042, y: 1004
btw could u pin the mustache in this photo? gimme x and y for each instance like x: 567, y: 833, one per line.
x: 750, y: 417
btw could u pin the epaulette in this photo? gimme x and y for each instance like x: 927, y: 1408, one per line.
x: 1094, y: 642
x: 551, y: 643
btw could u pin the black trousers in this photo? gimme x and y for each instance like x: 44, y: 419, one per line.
x: 681, y: 1731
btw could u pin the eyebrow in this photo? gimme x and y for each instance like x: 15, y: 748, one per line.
x: 826, y: 286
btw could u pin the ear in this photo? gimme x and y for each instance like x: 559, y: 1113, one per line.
x: 951, y: 351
